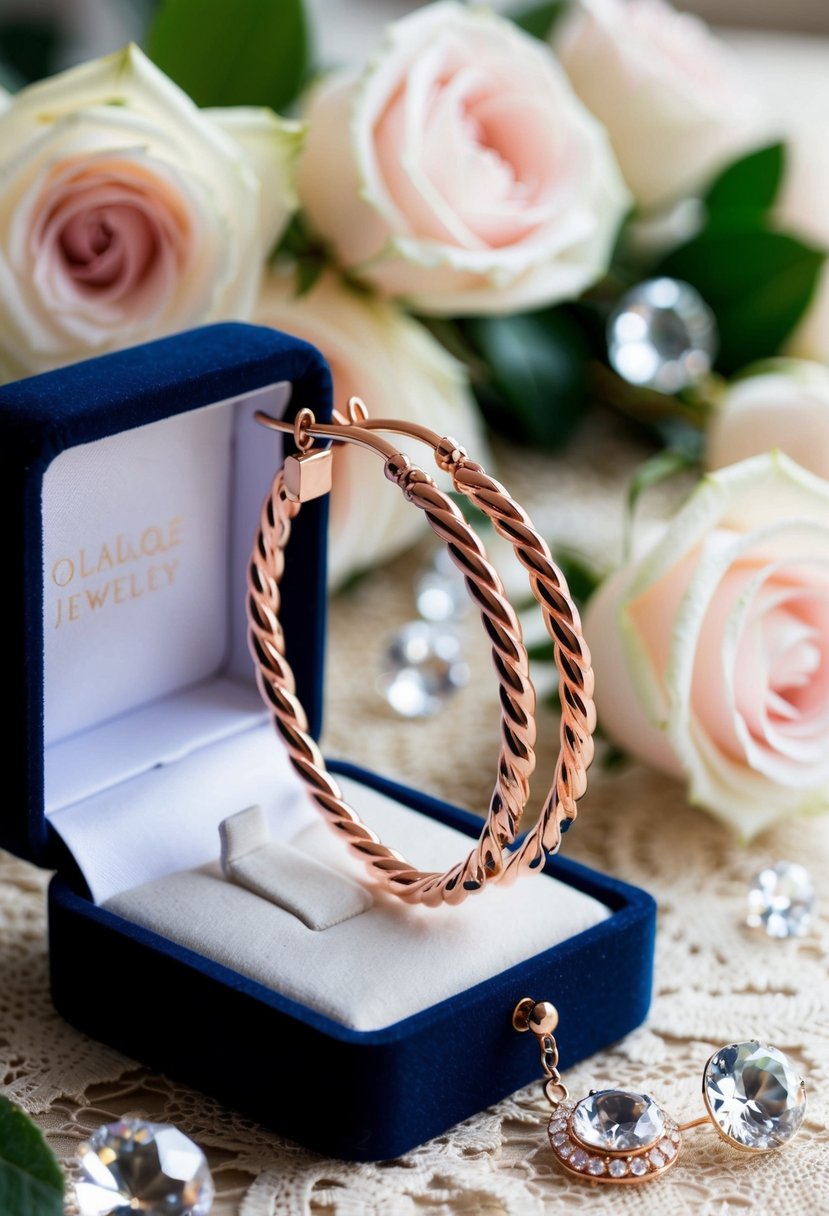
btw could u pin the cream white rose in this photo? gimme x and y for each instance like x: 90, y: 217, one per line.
x: 383, y: 356
x: 671, y: 95
x: 459, y: 171
x: 127, y: 213
x: 784, y: 406
x: 711, y: 650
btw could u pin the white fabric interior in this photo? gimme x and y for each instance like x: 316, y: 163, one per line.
x: 155, y: 735
x: 389, y: 962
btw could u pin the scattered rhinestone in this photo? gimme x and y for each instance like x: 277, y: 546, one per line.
x: 781, y: 900
x: 137, y: 1166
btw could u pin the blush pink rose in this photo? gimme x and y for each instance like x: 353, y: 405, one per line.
x: 459, y: 170
x: 671, y: 95
x: 126, y: 212
x: 711, y: 650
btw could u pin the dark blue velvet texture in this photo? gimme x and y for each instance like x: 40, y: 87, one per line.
x: 42, y: 416
x: 390, y: 1089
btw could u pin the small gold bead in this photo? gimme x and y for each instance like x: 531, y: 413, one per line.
x: 543, y: 1017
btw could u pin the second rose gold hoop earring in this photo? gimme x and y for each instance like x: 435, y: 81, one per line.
x: 308, y: 475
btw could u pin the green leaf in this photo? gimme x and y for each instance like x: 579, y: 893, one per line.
x: 658, y: 468
x: 540, y: 19
x: 749, y: 185
x: 31, y: 1181
x: 537, y: 364
x: 758, y: 282
x: 250, y: 52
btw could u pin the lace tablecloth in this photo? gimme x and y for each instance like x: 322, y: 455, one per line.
x: 714, y: 981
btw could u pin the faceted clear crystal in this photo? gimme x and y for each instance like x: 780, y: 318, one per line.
x: 440, y: 591
x: 153, y: 1168
x: 755, y: 1094
x: 617, y: 1168
x: 638, y: 1166
x: 662, y: 335
x: 781, y: 900
x: 579, y: 1159
x: 616, y: 1120
x: 425, y: 667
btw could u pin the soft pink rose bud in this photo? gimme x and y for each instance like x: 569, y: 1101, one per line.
x: 785, y: 406
x: 711, y: 650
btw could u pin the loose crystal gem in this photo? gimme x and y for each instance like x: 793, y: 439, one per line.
x: 638, y: 1167
x: 617, y: 1168
x: 595, y: 1166
x: 134, y: 1166
x: 579, y: 1159
x: 668, y: 1148
x: 426, y: 667
x: 781, y: 900
x: 440, y: 591
x: 615, y: 1120
x: 656, y: 1158
x: 754, y: 1094
x: 662, y: 335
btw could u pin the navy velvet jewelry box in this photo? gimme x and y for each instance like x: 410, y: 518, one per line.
x: 130, y: 486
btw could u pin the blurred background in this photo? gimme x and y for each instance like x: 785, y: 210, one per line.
x: 38, y: 37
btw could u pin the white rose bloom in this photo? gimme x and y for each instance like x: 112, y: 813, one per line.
x: 459, y: 171
x: 383, y: 356
x: 784, y: 405
x: 671, y: 94
x: 127, y: 213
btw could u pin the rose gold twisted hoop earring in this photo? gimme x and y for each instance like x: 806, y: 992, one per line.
x: 307, y: 476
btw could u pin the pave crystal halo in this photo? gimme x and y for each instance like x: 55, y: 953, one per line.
x: 753, y: 1094
x: 614, y: 1135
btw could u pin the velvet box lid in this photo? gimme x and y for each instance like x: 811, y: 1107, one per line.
x: 72, y: 444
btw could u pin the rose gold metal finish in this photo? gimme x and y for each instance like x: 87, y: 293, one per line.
x: 488, y: 861
x: 700, y: 1122
x: 541, y: 1017
x: 308, y: 475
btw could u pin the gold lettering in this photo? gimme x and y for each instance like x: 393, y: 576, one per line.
x: 152, y: 542
x: 96, y: 599
x: 135, y: 590
x: 85, y: 570
x: 59, y: 617
x: 73, y: 604
x: 105, y: 561
x: 126, y: 552
x: 119, y: 590
x: 63, y: 571
x: 174, y: 531
x: 169, y: 569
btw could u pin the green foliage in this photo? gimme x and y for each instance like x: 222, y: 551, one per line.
x: 757, y: 281
x: 536, y: 379
x: 31, y: 1181
x: 748, y: 187
x: 541, y: 18
x: 251, y: 52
